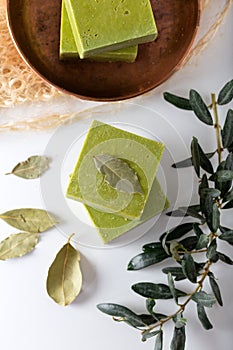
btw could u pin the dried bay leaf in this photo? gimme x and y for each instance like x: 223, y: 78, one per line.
x: 17, y: 245
x: 31, y: 168
x: 29, y: 219
x: 118, y: 174
x: 64, y: 279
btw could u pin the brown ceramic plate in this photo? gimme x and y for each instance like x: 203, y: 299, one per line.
x: 35, y: 26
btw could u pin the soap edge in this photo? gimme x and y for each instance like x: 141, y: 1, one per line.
x: 73, y: 27
x: 137, y: 222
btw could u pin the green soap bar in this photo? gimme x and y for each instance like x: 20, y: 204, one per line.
x: 87, y: 184
x: 111, y: 226
x: 104, y: 25
x: 68, y: 48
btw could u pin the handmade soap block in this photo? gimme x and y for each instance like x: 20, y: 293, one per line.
x: 110, y: 226
x: 88, y: 185
x: 103, y: 25
x: 68, y: 48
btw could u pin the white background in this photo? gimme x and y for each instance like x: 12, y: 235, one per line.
x: 29, y: 319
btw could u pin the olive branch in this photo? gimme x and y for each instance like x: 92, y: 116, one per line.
x: 203, y: 233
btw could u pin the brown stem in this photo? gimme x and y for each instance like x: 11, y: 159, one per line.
x: 212, y: 235
x: 183, y: 306
x: 217, y: 128
x: 193, y: 251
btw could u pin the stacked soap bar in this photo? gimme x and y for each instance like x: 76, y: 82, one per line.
x: 105, y: 29
x: 111, y: 226
x: 112, y: 211
x: 68, y: 48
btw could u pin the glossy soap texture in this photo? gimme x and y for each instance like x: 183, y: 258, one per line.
x: 87, y: 185
x: 103, y: 25
x: 68, y: 48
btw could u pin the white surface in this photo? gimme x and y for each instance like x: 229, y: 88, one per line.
x: 29, y: 319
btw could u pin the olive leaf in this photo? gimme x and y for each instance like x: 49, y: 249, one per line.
x: 204, y: 299
x: 197, y: 230
x: 228, y: 205
x: 177, y: 101
x: 195, y: 151
x: 17, y: 245
x: 155, y: 291
x: 31, y: 168
x: 177, y: 232
x: 159, y: 341
x: 215, y: 288
x: 223, y: 186
x: 209, y: 192
x: 203, y: 183
x: 222, y: 176
x: 205, y: 161
x: 189, y: 243
x: 229, y: 162
x: 149, y: 334
x: 150, y: 304
x: 29, y: 219
x: 149, y: 319
x: 185, y: 163
x: 64, y: 279
x: 228, y: 196
x: 187, y: 211
x: 143, y: 260
x: 176, y: 272
x: 227, y: 236
x: 189, y: 162
x: 212, y: 214
x: 121, y: 313
x: 171, y: 285
x: 227, y: 131
x: 203, y: 317
x: 203, y: 241
x: 199, y: 107
x: 179, y: 339
x: 224, y: 229
x: 226, y: 94
x: 189, y: 268
x: 151, y: 247
x: 118, y: 174
x: 211, y: 250
x: 225, y: 259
